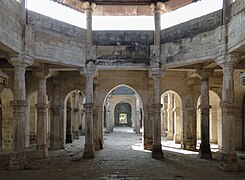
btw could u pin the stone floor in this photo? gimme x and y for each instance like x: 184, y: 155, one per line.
x: 122, y: 158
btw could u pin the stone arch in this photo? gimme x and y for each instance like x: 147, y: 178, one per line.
x: 106, y: 117
x: 73, y: 111
x: 6, y: 119
x: 215, y: 124
x: 171, y: 115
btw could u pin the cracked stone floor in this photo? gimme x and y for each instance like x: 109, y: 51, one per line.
x: 122, y: 158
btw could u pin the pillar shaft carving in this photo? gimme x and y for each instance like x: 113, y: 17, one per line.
x: 205, y: 150
x: 42, y: 118
x: 156, y: 74
x: 188, y: 126
x: 18, y: 157
x: 228, y: 160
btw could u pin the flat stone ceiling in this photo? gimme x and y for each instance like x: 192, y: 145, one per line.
x: 124, y: 7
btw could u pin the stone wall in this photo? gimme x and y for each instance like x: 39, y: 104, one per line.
x: 11, y: 26
x: 57, y: 41
x: 236, y: 38
x: 192, y: 28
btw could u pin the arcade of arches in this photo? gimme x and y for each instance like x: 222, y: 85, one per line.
x: 59, y: 82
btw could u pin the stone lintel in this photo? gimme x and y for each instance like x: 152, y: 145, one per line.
x: 227, y: 60
x: 21, y: 60
x: 18, y: 103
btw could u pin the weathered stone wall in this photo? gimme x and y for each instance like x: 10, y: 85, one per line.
x: 202, y: 47
x: 236, y: 38
x: 192, y: 28
x: 11, y: 26
x: 57, y: 41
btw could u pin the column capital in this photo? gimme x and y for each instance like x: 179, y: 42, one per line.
x: 204, y: 73
x: 156, y: 72
x: 41, y: 73
x: 89, y: 6
x: 227, y: 60
x: 21, y: 60
x: 158, y: 6
x: 90, y: 69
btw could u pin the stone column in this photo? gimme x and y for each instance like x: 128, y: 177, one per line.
x: 157, y: 146
x: 18, y: 156
x: 177, y: 121
x: 89, y: 144
x: 42, y: 118
x: 148, y: 119
x: 213, y: 125
x: 228, y: 160
x: 165, y: 116
x: 205, y: 150
x: 56, y: 121
x: 108, y: 116
x: 68, y: 122
x: 188, y: 125
x: 170, y: 117
x: 75, y: 126
x: 137, y: 112
x: 3, y: 84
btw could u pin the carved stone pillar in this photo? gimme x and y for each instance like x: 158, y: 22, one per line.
x: 170, y: 117
x: 157, y: 146
x: 205, y: 150
x: 18, y: 156
x: 69, y: 138
x: 75, y: 126
x: 188, y: 125
x: 137, y: 108
x: 147, y: 133
x: 228, y: 160
x: 56, y: 140
x: 42, y: 118
x: 89, y: 72
x: 3, y: 84
x: 176, y: 120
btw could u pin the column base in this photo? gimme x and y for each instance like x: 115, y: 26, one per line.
x: 205, y: 151
x: 75, y: 134
x: 101, y: 143
x: 157, y: 151
x: 228, y: 162
x: 170, y: 136
x: 148, y: 144
x: 96, y: 144
x: 189, y: 144
x: 18, y: 161
x: 68, y: 138
x: 177, y: 139
x: 88, y: 151
x: 41, y: 151
x: 56, y: 145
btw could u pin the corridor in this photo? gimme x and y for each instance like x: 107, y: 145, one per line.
x: 122, y: 158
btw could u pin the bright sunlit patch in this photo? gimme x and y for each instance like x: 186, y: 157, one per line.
x: 63, y: 13
x: 57, y: 11
x: 192, y: 11
x: 139, y: 147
